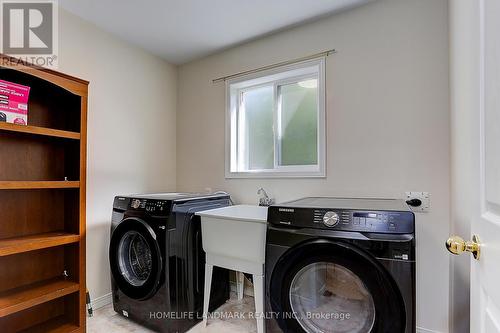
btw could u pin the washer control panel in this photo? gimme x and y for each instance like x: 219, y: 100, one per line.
x: 374, y: 221
x: 391, y: 222
x: 154, y: 207
x: 331, y: 219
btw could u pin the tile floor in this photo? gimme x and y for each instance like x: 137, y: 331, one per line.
x: 107, y: 320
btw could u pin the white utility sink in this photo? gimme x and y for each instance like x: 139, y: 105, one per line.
x: 234, y: 237
x: 236, y: 232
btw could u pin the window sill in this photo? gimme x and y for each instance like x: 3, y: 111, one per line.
x: 254, y: 175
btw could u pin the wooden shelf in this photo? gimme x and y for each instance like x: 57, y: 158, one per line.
x: 27, y: 185
x: 55, y: 325
x: 35, y: 242
x: 12, y: 301
x: 42, y: 216
x: 39, y: 131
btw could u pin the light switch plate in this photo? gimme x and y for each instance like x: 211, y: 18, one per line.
x: 425, y: 197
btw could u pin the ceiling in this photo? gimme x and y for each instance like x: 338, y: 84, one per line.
x: 184, y: 30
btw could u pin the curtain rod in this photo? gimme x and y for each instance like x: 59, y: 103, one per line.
x: 283, y: 63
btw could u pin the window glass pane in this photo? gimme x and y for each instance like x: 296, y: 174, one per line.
x: 259, y: 136
x: 299, y: 123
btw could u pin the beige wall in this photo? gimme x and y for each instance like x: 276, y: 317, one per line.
x: 131, y: 128
x: 387, y: 121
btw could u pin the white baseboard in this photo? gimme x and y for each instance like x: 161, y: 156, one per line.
x: 101, y: 301
x: 104, y: 300
x: 425, y: 330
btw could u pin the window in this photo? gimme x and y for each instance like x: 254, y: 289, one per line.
x: 276, y: 123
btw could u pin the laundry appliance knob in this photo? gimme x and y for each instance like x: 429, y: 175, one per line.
x: 331, y: 219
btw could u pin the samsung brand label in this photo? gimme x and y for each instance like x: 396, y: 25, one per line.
x: 286, y: 210
x: 401, y: 256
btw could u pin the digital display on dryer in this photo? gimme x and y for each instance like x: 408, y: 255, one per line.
x: 372, y: 215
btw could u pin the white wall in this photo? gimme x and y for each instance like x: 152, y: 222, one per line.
x: 131, y: 128
x: 387, y: 121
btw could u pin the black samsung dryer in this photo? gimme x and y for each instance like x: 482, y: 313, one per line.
x: 340, y: 265
x: 157, y: 261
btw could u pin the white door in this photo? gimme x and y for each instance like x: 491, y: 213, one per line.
x: 485, y: 272
x: 485, y: 175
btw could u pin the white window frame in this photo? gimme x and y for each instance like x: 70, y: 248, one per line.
x: 277, y: 77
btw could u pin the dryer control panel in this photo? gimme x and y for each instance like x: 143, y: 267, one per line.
x: 152, y: 206
x: 392, y: 220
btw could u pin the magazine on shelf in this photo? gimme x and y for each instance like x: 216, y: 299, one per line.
x: 14, y: 103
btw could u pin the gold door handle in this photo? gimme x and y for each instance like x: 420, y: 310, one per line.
x: 457, y: 245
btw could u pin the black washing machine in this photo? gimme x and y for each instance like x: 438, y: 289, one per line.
x: 157, y: 261
x: 340, y: 265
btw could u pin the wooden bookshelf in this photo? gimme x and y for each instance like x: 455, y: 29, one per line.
x: 42, y: 205
x: 33, y: 185
x: 36, y: 242
x: 25, y: 297
x: 55, y: 325
x: 39, y: 131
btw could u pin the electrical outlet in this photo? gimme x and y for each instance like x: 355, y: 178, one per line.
x: 425, y: 197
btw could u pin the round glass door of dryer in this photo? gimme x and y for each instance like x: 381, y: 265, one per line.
x: 326, y: 286
x: 135, y: 258
x: 325, y: 296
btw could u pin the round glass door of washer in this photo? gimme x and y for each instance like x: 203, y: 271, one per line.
x: 326, y: 297
x: 134, y: 257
